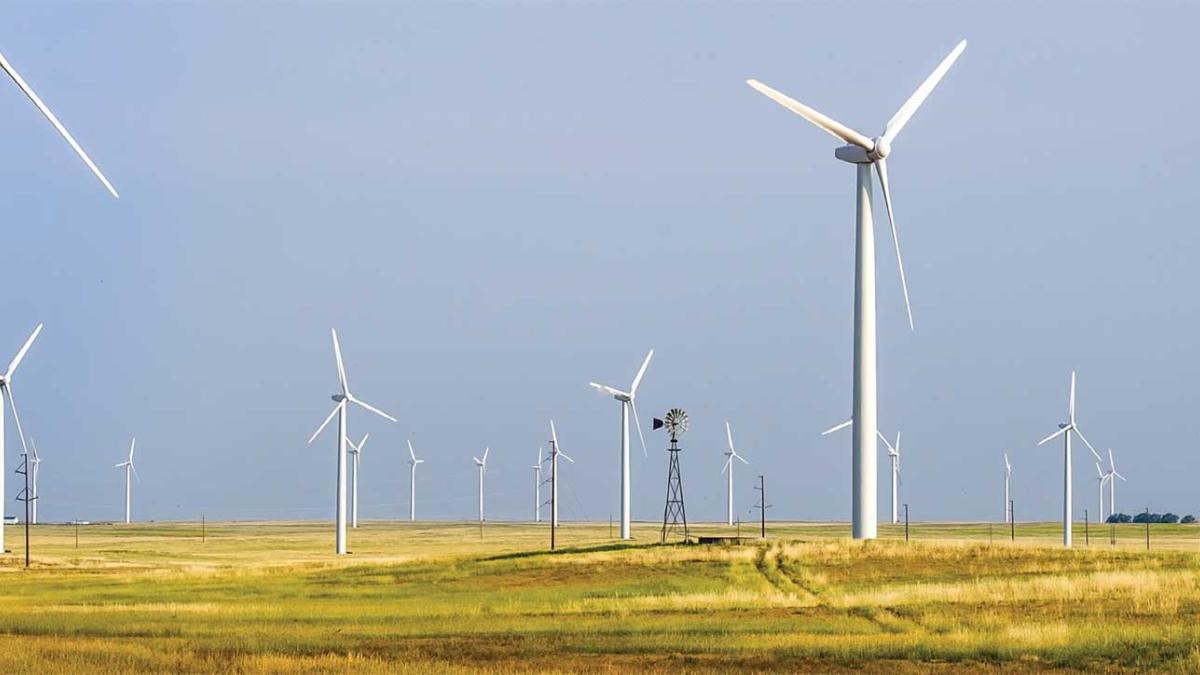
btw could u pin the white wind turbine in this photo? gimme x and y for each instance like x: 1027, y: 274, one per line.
x: 894, y: 454
x: 356, y: 451
x: 412, y: 481
x: 343, y: 400
x: 730, y: 454
x: 555, y: 453
x: 537, y: 487
x: 1101, y: 478
x: 1112, y: 483
x: 45, y: 110
x: 482, y: 464
x: 1064, y: 430
x: 6, y: 392
x: 1007, y: 478
x: 866, y: 153
x: 130, y: 472
x: 627, y: 402
x: 34, y: 461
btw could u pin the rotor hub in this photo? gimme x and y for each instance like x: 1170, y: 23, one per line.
x: 882, y: 148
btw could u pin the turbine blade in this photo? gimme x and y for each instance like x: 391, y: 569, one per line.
x: 638, y: 378
x: 918, y: 97
x: 564, y: 456
x: 553, y: 434
x: 45, y: 110
x: 638, y: 424
x: 881, y: 169
x: 373, y: 409
x: 741, y: 459
x: 363, y: 442
x: 485, y: 454
x: 1071, y: 402
x: 729, y: 435
x: 132, y: 445
x: 321, y: 428
x: 12, y: 365
x: 604, y: 388
x: 411, y: 454
x: 1111, y: 464
x: 838, y: 427
x: 728, y: 461
x: 830, y: 125
x: 135, y: 473
x: 1085, y: 442
x: 891, y: 450
x: 337, y: 352
x: 1054, y: 435
x: 1118, y: 475
x: 12, y: 403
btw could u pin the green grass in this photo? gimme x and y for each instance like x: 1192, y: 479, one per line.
x: 438, y: 597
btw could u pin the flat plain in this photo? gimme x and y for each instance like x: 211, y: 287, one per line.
x: 454, y: 597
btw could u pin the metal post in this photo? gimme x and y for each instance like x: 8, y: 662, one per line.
x: 906, y: 521
x: 27, y: 501
x: 762, y: 505
x: 1147, y: 529
x: 1012, y: 521
x: 1086, y: 539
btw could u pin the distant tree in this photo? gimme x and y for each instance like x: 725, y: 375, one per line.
x: 1146, y: 518
x: 1169, y: 518
x: 1188, y: 519
x: 1119, y: 518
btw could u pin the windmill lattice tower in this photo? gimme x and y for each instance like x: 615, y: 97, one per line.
x: 674, y: 513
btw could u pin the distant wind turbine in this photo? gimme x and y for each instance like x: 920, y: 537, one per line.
x: 730, y: 455
x: 1112, y: 483
x: 7, y: 392
x: 45, y: 110
x: 482, y: 464
x: 355, y: 450
x: 537, y: 487
x: 627, y: 403
x: 555, y: 453
x: 894, y: 455
x: 1065, y: 429
x: 867, y: 153
x: 412, y: 481
x: 130, y: 472
x: 1101, y: 478
x: 1007, y: 478
x: 33, y: 481
x: 343, y: 400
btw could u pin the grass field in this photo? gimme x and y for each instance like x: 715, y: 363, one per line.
x: 442, y: 597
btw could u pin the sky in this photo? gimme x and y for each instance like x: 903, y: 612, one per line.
x: 495, y: 204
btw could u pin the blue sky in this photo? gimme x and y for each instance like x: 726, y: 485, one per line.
x: 495, y: 204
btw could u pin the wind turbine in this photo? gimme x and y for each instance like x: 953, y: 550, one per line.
x: 412, y: 481
x: 6, y: 392
x: 627, y: 402
x: 1112, y: 483
x: 482, y: 464
x: 33, y: 476
x: 894, y: 454
x: 343, y: 400
x: 555, y: 453
x: 866, y: 153
x: 1064, y: 430
x: 1007, y: 477
x: 355, y: 450
x: 537, y: 487
x: 728, y: 469
x: 129, y: 468
x: 45, y: 110
x: 1101, y: 477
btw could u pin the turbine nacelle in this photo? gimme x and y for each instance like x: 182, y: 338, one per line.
x: 857, y: 154
x: 338, y: 398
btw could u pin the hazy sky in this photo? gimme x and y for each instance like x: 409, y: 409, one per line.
x: 495, y: 204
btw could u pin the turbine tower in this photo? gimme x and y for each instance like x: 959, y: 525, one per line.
x: 33, y: 476
x: 1064, y: 430
x: 894, y: 454
x: 7, y: 392
x: 45, y: 110
x: 482, y: 464
x: 1007, y: 478
x: 555, y: 453
x: 412, y: 482
x: 356, y: 451
x: 866, y: 153
x: 129, y: 469
x: 728, y: 470
x: 343, y: 400
x: 537, y: 487
x: 1112, y: 483
x: 627, y: 403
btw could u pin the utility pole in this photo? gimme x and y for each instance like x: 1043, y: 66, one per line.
x: 1012, y: 521
x: 1086, y: 539
x: 906, y: 521
x: 1147, y: 529
x: 25, y: 497
x: 762, y: 505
